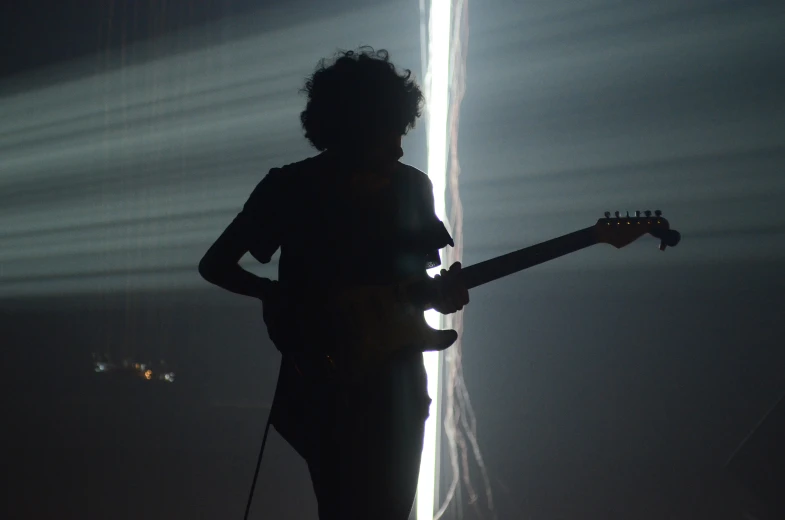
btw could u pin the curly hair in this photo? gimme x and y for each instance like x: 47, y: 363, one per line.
x: 358, y: 97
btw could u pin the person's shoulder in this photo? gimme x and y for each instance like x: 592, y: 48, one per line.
x: 295, y: 168
x: 414, y: 175
x: 297, y: 172
x: 411, y: 171
x: 291, y: 175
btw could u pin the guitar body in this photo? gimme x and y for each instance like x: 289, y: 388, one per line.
x: 381, y: 320
x: 370, y: 324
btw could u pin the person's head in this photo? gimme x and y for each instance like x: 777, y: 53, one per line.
x: 359, y: 100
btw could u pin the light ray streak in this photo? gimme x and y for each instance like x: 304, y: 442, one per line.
x: 140, y: 156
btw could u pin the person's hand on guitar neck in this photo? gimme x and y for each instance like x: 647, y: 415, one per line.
x: 449, y: 292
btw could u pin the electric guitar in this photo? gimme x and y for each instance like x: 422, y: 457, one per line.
x: 371, y: 323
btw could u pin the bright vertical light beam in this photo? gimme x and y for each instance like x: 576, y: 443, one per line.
x: 437, y: 98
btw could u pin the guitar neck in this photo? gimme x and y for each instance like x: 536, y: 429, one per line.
x: 505, y: 265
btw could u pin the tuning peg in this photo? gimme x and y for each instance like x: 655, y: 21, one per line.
x: 607, y: 214
x: 638, y: 213
x: 617, y: 214
x: 648, y: 213
x: 657, y: 213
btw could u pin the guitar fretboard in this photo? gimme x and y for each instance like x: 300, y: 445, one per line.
x: 505, y: 265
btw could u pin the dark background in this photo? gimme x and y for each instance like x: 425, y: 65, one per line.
x: 609, y: 384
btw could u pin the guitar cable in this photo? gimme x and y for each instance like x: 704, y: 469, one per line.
x: 264, y: 443
x: 258, y: 465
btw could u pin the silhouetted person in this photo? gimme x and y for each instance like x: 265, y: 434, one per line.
x: 352, y: 215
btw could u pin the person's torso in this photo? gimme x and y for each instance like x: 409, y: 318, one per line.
x: 348, y: 226
x: 345, y: 228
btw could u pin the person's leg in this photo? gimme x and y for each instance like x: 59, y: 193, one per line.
x: 368, y: 478
x: 326, y: 483
x: 368, y: 467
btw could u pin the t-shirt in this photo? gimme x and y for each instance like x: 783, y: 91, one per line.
x: 338, y: 224
x: 334, y: 226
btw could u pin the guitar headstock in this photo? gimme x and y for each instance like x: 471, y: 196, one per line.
x: 619, y: 230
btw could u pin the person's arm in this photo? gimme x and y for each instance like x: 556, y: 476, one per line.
x: 255, y: 229
x: 220, y: 266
